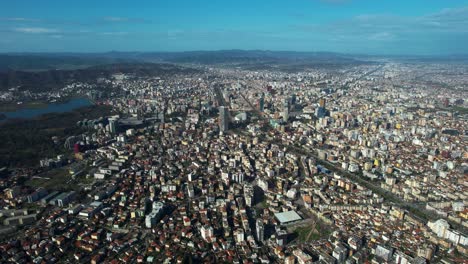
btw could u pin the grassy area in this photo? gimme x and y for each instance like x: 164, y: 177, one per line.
x: 302, y: 233
x: 60, y: 179
x: 312, y: 232
x: 461, y: 110
x: 84, y: 180
x: 56, y: 179
x: 25, y: 142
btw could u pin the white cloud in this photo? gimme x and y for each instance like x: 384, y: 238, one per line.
x: 385, y: 27
x: 116, y: 19
x: 36, y: 30
x: 118, y: 33
x: 382, y: 36
x: 335, y: 1
x: 57, y: 36
x: 18, y: 19
x: 173, y: 34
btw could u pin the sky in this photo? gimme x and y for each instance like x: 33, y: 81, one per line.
x: 403, y: 27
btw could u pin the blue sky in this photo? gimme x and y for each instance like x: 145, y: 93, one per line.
x: 352, y: 26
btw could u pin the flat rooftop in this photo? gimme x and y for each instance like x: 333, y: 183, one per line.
x: 287, y: 217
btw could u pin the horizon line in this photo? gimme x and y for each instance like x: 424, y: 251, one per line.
x: 224, y: 50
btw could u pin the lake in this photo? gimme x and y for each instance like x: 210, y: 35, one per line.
x: 68, y: 106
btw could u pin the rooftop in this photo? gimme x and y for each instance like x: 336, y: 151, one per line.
x: 287, y: 217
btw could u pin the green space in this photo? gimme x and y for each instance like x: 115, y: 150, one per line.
x: 303, y: 233
x: 315, y: 231
x: 59, y: 180
x: 24, y: 142
x: 461, y: 110
x: 56, y: 179
x: 84, y: 180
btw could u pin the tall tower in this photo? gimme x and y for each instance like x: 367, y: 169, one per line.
x: 321, y: 111
x: 285, y: 110
x: 223, y: 119
x: 260, y: 230
x: 113, y: 126
x: 322, y: 102
x: 293, y: 99
x: 261, y: 104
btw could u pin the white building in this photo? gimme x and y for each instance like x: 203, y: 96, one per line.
x: 206, y: 232
x: 152, y: 218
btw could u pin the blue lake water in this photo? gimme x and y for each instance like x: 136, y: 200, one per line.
x: 51, y: 108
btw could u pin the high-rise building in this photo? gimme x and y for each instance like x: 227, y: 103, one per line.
x: 285, y: 110
x: 261, y: 104
x: 260, y: 230
x: 293, y: 99
x: 321, y: 111
x: 223, y: 118
x: 238, y: 177
x: 190, y: 191
x: 239, y: 235
x: 322, y: 102
x: 113, y: 126
x: 281, y: 238
x: 152, y: 218
x: 227, y: 97
x: 206, y: 232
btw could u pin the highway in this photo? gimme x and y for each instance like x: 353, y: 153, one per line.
x: 346, y: 85
x: 220, y: 99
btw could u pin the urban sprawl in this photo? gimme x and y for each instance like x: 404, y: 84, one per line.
x: 360, y: 164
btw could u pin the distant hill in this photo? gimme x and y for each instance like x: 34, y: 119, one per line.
x: 236, y: 57
x: 48, y: 61
x: 51, y: 79
x: 41, y: 62
x: 455, y: 59
x: 250, y: 59
x: 48, y: 71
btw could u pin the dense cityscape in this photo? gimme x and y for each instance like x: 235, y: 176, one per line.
x: 245, y: 132
x: 363, y: 163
